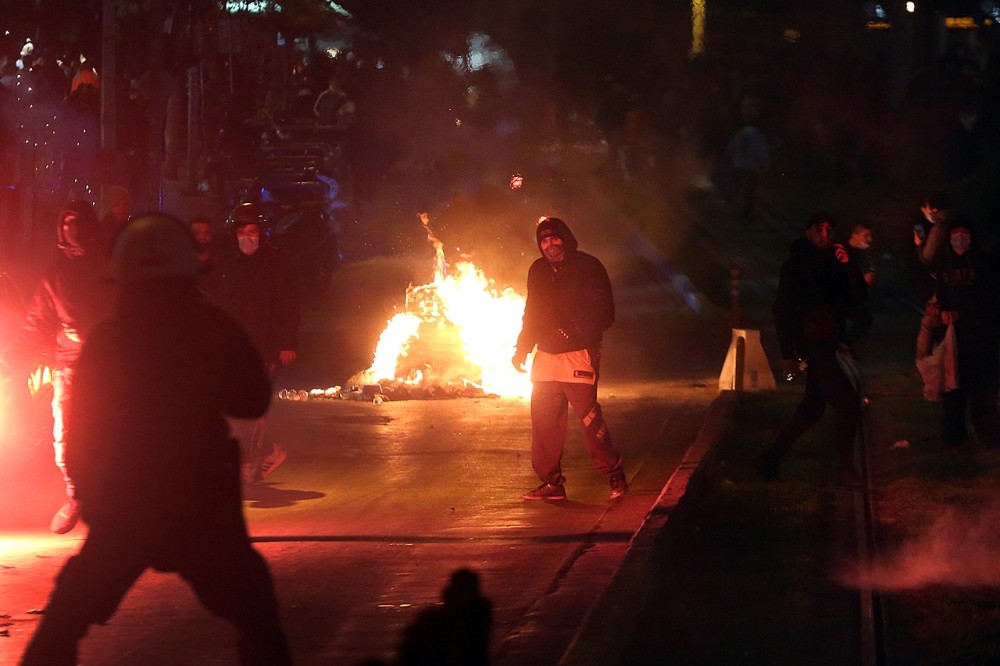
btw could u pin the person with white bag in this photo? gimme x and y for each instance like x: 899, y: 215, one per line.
x: 968, y: 294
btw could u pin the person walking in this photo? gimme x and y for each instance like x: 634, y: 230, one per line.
x: 68, y: 302
x: 155, y: 468
x: 568, y: 307
x: 809, y: 316
x: 258, y: 289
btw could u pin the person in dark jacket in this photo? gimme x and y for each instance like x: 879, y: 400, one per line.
x: 258, y: 289
x: 968, y: 295
x: 68, y: 302
x: 809, y: 316
x: 156, y: 470
x: 860, y: 276
x: 568, y: 307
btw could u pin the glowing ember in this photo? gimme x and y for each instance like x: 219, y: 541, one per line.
x: 458, y: 328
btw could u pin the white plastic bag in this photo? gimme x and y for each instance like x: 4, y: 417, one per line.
x: 940, y: 370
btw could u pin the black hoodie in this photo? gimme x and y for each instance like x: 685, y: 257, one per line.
x: 570, y: 304
x: 812, y: 300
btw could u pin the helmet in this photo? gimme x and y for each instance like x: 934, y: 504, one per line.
x: 152, y: 246
x: 244, y: 214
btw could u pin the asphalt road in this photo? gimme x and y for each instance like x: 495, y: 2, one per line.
x: 377, y: 505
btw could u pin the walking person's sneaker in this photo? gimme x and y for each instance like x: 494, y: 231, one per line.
x: 546, y: 491
x: 66, y: 517
x: 270, y: 463
x: 619, y: 485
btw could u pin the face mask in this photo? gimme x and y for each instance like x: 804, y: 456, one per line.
x: 960, y: 242
x: 248, y: 245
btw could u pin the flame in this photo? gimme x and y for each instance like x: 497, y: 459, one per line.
x: 468, y: 329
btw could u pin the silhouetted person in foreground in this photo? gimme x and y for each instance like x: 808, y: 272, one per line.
x: 456, y: 633
x: 156, y: 471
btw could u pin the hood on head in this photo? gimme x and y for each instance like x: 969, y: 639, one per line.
x: 555, y: 227
x: 88, y: 226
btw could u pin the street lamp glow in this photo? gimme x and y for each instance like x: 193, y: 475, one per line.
x: 911, y: 7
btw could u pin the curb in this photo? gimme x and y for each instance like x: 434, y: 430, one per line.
x: 609, y: 623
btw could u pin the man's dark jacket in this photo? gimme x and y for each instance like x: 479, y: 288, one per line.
x: 570, y: 308
x: 812, y: 300
x: 260, y: 292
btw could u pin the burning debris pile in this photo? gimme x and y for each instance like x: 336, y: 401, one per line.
x: 454, y: 338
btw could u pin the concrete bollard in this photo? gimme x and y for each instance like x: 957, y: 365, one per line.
x: 746, y: 367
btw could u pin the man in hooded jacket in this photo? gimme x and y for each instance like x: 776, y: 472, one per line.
x: 156, y: 470
x: 810, y: 312
x: 568, y: 307
x: 69, y: 301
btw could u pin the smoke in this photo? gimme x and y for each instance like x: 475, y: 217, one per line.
x: 959, y: 549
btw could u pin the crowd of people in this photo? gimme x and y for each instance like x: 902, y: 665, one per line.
x: 240, y: 272
x: 820, y: 315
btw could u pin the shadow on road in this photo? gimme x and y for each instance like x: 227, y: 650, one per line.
x: 266, y: 496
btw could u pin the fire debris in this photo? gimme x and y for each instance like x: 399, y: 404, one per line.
x: 394, y: 390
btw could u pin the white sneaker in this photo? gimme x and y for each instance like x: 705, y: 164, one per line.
x: 270, y: 463
x: 66, y: 517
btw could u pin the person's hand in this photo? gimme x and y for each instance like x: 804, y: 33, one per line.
x: 840, y: 252
x: 519, y: 359
x: 949, y: 317
x: 287, y: 356
x: 917, y: 240
x: 870, y: 277
x: 789, y: 368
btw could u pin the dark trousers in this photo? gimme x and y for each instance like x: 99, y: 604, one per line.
x: 979, y: 385
x: 826, y: 383
x: 549, y: 414
x: 228, y: 576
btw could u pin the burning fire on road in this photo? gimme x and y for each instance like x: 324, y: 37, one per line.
x: 454, y: 338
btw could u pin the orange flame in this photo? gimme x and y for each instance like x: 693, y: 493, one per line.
x: 468, y: 329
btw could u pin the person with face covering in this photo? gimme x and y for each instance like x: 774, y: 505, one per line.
x: 810, y: 310
x: 968, y: 295
x: 569, y: 306
x: 70, y: 299
x: 258, y: 288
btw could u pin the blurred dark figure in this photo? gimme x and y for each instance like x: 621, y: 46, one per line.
x: 258, y: 289
x: 156, y: 469
x: 456, y: 633
x: 968, y: 295
x: 210, y: 278
x: 333, y: 106
x: 860, y: 276
x: 68, y: 303
x: 117, y: 205
x: 748, y: 159
x: 930, y: 237
x: 809, y: 314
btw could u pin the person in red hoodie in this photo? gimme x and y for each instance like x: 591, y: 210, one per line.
x: 569, y: 306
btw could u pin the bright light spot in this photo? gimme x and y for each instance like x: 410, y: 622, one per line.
x: 697, y: 27
x: 251, y: 6
x: 911, y: 7
x: 337, y: 7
